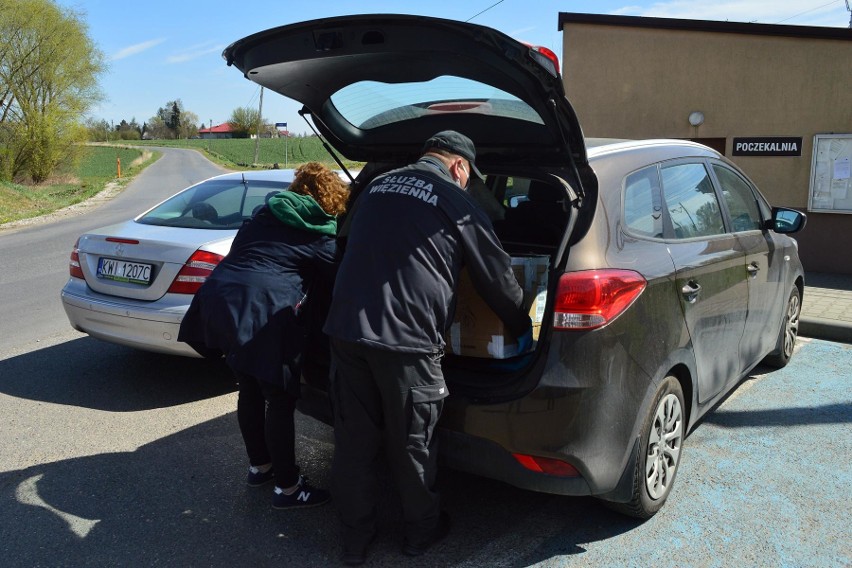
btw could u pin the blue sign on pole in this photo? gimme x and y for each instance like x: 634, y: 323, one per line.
x: 280, y: 125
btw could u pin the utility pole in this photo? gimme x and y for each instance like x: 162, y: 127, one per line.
x: 259, y: 121
x: 849, y: 9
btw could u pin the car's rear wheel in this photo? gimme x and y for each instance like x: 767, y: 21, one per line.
x: 659, y: 452
x: 788, y: 333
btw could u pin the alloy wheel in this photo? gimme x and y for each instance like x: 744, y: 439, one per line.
x: 791, y: 329
x: 664, y: 443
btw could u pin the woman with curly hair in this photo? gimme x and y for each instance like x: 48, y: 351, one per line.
x: 252, y: 309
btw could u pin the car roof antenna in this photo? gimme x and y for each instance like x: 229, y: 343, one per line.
x: 302, y: 113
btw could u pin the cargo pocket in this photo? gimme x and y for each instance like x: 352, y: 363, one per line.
x: 426, y: 402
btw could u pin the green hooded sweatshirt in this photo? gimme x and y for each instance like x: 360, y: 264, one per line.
x: 302, y: 212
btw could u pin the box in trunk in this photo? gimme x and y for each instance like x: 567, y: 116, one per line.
x: 476, y: 330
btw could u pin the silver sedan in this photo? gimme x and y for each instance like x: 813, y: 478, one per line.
x: 131, y: 283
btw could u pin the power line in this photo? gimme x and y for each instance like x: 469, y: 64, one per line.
x: 485, y: 10
x: 806, y: 11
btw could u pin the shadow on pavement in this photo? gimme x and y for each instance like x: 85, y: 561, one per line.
x: 182, y: 501
x: 93, y: 374
x: 839, y: 413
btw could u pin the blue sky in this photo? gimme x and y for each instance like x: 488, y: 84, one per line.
x: 158, y: 51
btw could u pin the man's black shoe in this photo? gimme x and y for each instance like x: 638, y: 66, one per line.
x: 438, y: 533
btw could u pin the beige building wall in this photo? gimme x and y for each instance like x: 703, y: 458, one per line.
x: 631, y: 77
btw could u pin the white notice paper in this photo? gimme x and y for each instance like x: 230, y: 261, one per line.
x: 842, y: 169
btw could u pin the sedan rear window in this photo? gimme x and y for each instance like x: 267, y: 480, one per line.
x: 371, y: 104
x: 214, y: 204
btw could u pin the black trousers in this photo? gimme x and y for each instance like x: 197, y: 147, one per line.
x: 265, y: 413
x: 392, y: 400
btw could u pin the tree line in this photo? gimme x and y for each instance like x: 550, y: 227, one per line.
x: 173, y: 122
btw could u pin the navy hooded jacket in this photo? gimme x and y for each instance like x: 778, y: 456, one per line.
x: 250, y: 307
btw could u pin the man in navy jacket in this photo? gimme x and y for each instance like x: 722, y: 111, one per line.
x: 411, y: 231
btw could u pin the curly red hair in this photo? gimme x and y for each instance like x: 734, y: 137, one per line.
x: 324, y: 185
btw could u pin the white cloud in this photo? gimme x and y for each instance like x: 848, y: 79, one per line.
x: 136, y: 48
x: 195, y: 51
x: 792, y: 12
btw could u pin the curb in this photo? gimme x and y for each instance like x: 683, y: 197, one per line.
x: 827, y: 329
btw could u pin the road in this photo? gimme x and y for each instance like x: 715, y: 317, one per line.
x: 114, y: 457
x: 31, y: 256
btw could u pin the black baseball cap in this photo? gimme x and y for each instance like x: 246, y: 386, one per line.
x: 458, y: 144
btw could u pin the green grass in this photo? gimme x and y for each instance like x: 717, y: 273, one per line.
x: 72, y: 184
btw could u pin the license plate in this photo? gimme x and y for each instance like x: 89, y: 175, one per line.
x: 124, y: 271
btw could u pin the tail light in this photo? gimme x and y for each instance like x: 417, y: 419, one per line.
x: 592, y: 298
x: 196, y: 270
x: 74, y: 264
x: 549, y: 466
x: 544, y: 57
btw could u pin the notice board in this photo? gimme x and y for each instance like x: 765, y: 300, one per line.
x: 831, y: 169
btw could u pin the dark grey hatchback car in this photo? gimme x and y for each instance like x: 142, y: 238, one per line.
x: 670, y: 276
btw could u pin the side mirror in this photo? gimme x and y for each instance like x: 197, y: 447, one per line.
x: 786, y: 220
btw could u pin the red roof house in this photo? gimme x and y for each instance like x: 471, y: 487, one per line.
x: 223, y: 130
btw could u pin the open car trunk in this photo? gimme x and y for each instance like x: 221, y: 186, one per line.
x: 532, y: 218
x: 377, y: 86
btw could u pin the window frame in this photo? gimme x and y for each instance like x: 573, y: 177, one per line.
x: 764, y: 207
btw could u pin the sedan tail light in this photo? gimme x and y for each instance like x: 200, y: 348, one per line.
x: 592, y: 298
x: 74, y: 264
x: 196, y: 270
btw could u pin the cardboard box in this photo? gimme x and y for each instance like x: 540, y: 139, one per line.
x: 476, y: 330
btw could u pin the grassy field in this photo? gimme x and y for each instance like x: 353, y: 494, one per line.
x: 73, y: 183
x: 98, y: 167
x: 239, y: 152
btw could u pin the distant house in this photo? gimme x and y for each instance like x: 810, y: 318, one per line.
x: 223, y: 130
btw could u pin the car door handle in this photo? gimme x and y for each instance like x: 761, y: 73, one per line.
x: 690, y: 291
x: 753, y: 269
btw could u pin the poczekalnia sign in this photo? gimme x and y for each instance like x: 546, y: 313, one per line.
x: 768, y: 146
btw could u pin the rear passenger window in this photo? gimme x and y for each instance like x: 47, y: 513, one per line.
x: 738, y: 196
x: 691, y: 201
x: 642, y: 203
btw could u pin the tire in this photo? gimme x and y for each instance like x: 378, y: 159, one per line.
x: 788, y: 333
x: 659, y: 452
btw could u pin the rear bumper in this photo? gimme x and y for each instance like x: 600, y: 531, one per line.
x: 469, y: 453
x: 480, y: 456
x: 124, y: 323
